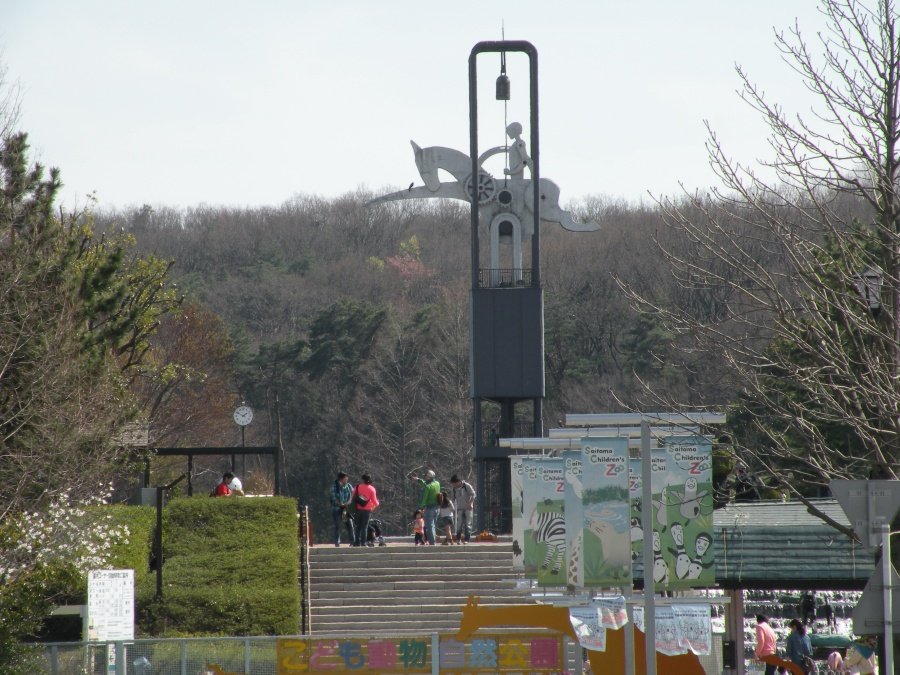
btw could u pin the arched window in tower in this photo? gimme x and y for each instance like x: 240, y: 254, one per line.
x: 506, y: 250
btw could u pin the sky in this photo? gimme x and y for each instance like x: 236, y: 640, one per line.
x: 231, y: 102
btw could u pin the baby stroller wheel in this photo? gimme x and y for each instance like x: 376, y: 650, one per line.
x: 374, y: 534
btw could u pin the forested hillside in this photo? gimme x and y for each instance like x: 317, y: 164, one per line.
x: 350, y: 330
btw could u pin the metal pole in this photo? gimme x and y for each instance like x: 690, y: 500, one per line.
x: 887, y: 599
x: 243, y: 457
x: 305, y: 591
x: 647, y: 525
x: 157, y: 540
x: 629, y: 633
x: 121, y: 668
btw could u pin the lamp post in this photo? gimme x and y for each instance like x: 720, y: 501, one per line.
x: 158, y: 538
x: 868, y: 285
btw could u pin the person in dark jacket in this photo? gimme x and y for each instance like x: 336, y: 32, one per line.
x: 799, y: 646
x: 341, y: 491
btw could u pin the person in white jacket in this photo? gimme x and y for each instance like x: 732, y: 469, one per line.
x: 861, y: 657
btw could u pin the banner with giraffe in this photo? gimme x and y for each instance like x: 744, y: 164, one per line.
x: 606, y: 512
x: 687, y: 540
x: 574, y: 519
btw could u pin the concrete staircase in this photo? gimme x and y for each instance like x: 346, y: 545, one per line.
x: 403, y: 588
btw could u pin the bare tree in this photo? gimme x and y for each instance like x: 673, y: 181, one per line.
x: 788, y: 245
x: 10, y: 102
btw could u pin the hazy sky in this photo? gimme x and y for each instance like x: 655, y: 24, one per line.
x: 233, y: 102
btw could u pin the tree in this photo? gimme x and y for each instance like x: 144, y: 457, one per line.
x: 787, y: 244
x: 44, y: 556
x: 185, y: 388
x: 76, y: 312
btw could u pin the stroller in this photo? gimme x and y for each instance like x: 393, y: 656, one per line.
x: 374, y: 534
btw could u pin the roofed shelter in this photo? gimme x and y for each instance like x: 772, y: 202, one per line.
x: 772, y: 545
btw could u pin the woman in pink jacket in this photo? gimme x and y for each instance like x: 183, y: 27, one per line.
x: 765, y: 642
x: 365, y: 500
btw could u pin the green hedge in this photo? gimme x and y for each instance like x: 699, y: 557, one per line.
x: 135, y: 554
x: 230, y: 568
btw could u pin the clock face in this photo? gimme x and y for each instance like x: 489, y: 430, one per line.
x: 243, y: 415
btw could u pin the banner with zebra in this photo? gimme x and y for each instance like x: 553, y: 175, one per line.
x: 687, y: 541
x: 530, y: 475
x: 546, y: 544
x: 606, y: 512
x: 518, y: 512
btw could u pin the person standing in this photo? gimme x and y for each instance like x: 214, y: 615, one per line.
x: 365, y: 500
x: 341, y: 491
x: 464, y: 499
x: 765, y: 642
x: 808, y: 608
x: 429, y: 503
x: 419, y: 528
x: 799, y: 646
x: 445, y: 519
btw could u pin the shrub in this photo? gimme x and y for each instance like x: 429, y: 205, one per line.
x: 230, y: 568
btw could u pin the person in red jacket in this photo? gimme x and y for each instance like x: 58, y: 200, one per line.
x: 222, y: 489
x: 365, y: 500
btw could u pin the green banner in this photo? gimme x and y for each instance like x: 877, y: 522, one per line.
x: 530, y: 474
x: 687, y: 540
x: 516, y: 471
x: 606, y: 512
x: 574, y: 519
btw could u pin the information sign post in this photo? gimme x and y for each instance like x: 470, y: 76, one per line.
x: 111, y: 611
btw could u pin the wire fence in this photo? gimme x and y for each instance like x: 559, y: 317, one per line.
x: 283, y: 656
x: 286, y: 655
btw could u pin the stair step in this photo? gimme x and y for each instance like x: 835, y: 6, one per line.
x: 418, y: 587
x: 411, y: 628
x: 407, y: 589
x: 407, y: 574
x: 379, y: 594
x: 408, y: 604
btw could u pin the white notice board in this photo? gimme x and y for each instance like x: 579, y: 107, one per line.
x: 110, y: 605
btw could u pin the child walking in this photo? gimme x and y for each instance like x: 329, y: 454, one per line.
x: 445, y: 517
x: 419, y: 527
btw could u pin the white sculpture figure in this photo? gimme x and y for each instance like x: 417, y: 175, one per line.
x: 518, y: 156
x: 517, y: 191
